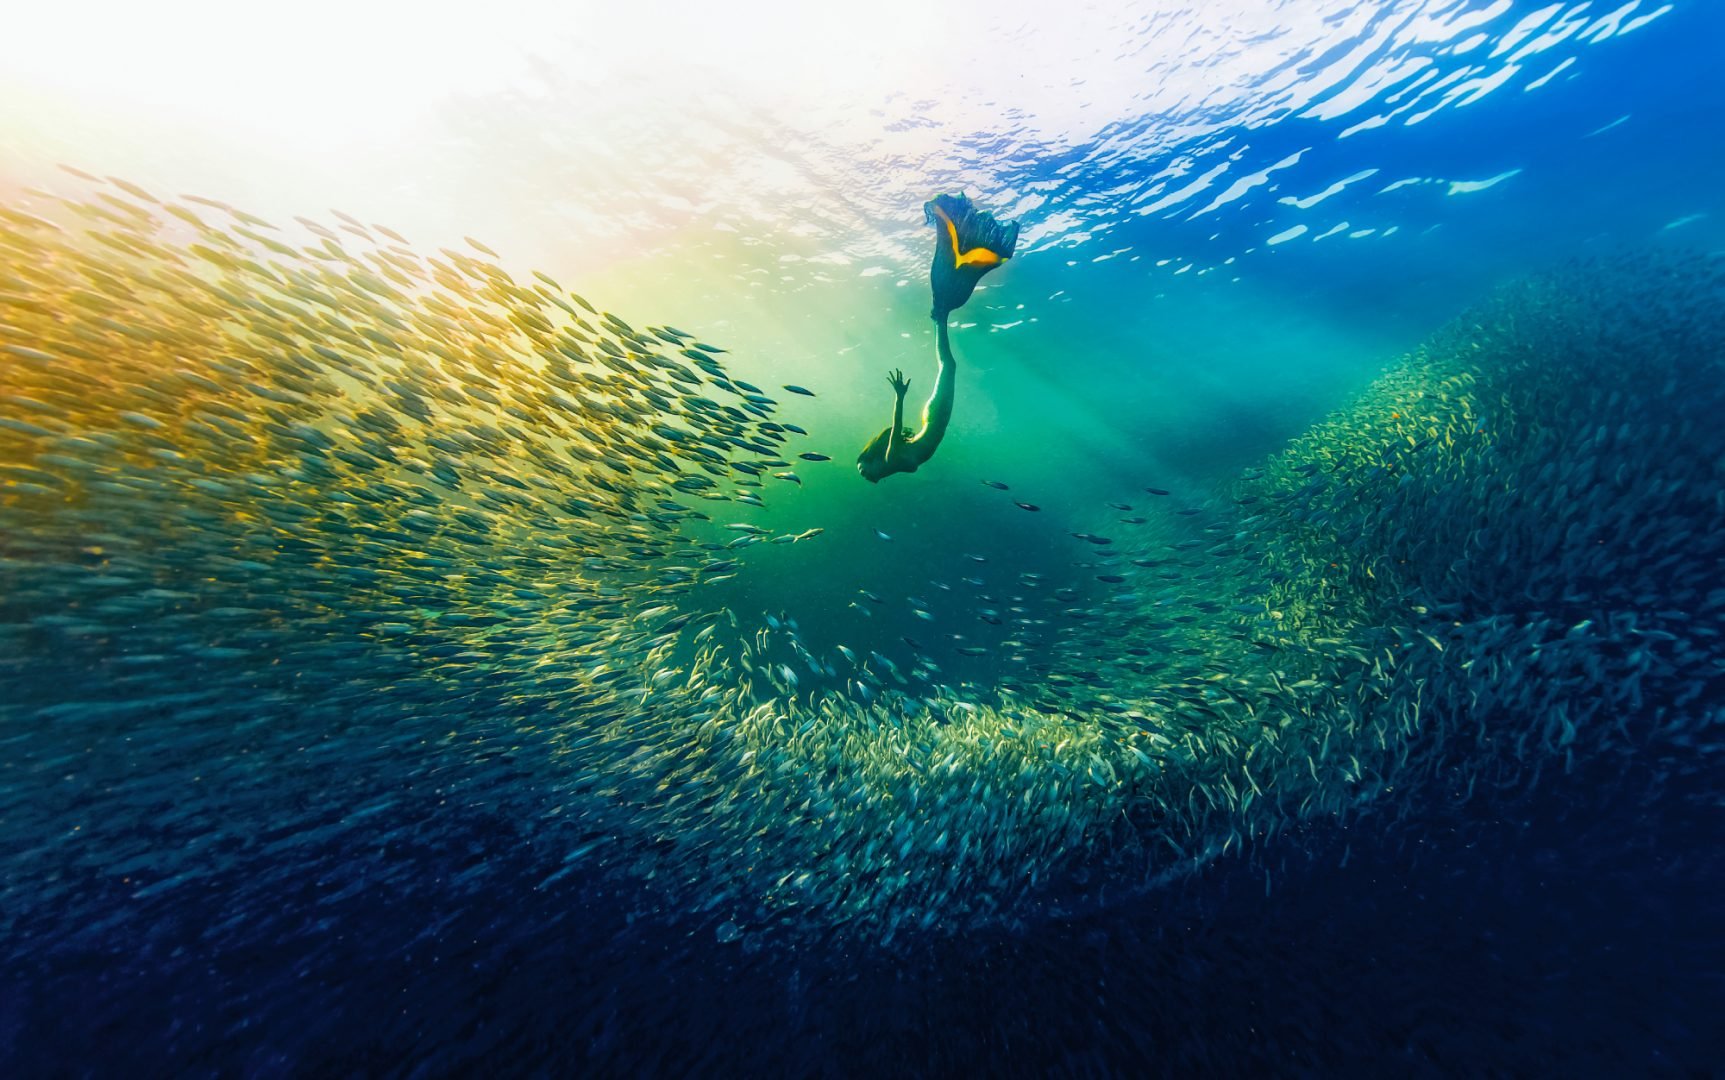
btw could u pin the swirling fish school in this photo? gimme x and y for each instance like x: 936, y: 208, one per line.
x: 278, y: 522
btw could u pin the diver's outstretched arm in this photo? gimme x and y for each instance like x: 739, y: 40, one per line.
x: 894, y: 437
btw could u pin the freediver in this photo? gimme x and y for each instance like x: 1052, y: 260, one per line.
x: 968, y: 243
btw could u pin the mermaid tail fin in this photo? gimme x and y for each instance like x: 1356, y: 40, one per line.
x: 968, y: 243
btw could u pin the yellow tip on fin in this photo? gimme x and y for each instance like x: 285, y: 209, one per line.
x: 978, y: 256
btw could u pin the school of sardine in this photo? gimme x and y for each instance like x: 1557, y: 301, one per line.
x: 293, y: 517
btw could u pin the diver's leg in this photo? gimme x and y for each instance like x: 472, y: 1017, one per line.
x: 937, y: 414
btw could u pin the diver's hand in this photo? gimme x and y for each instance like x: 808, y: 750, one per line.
x: 898, y: 382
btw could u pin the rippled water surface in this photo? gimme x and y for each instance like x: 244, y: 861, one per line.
x: 442, y: 629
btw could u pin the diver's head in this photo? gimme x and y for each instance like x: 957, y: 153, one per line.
x: 871, y: 463
x: 871, y: 467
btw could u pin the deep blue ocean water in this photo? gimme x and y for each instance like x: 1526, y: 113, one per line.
x: 348, y: 847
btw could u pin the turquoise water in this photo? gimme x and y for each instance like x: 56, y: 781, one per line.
x: 1301, y: 655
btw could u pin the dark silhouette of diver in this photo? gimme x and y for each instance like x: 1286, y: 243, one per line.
x: 968, y: 243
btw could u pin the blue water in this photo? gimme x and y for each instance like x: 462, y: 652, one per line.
x: 338, y: 851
